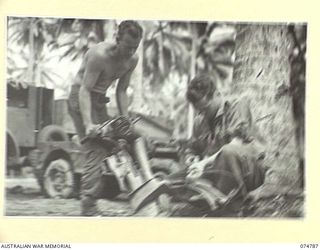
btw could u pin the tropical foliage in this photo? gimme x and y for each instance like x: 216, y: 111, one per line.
x: 30, y: 51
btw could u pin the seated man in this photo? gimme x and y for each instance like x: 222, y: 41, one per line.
x: 226, y: 138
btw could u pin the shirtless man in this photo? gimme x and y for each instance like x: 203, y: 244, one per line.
x: 102, y: 65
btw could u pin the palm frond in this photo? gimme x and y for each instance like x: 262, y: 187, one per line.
x: 46, y: 77
x: 68, y: 52
x: 44, y: 58
x: 222, y: 73
x: 211, y: 27
x: 171, y: 37
x: 222, y: 61
x: 79, y: 53
x: 51, y: 71
x: 149, y: 42
x: 176, y: 25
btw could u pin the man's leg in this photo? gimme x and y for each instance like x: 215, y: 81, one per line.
x: 236, y: 165
x: 91, y: 180
x: 231, y: 164
x: 74, y: 111
x: 78, y: 123
x: 94, y: 152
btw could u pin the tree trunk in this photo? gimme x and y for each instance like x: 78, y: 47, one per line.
x: 261, y: 66
x: 137, y: 79
x: 31, y: 63
x: 297, y: 89
x: 160, y: 52
x: 193, y: 33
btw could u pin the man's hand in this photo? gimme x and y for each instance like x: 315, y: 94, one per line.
x: 91, y: 129
x: 196, y: 170
x: 191, y: 159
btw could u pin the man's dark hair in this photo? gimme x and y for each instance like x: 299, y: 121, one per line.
x: 199, y: 87
x: 130, y: 27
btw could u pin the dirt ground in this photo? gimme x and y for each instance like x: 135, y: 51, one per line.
x: 23, y: 198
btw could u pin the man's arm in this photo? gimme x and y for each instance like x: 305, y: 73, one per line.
x: 121, y: 91
x: 239, y: 119
x: 91, y: 75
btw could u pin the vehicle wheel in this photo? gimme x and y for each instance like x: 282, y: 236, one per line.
x: 13, y: 151
x: 58, y: 180
x: 52, y: 133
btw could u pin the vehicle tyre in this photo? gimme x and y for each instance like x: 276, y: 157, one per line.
x: 52, y: 133
x: 13, y: 151
x: 58, y: 179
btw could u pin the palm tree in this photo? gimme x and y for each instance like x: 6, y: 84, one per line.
x: 296, y: 88
x: 75, y: 36
x: 165, y: 50
x: 261, y: 66
x: 170, y: 46
x: 31, y: 36
x: 137, y: 103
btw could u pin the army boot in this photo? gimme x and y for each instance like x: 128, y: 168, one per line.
x: 89, y: 207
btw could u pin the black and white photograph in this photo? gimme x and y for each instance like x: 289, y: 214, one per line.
x: 156, y: 118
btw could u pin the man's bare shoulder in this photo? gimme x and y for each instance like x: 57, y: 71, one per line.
x: 133, y: 61
x: 100, y: 51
